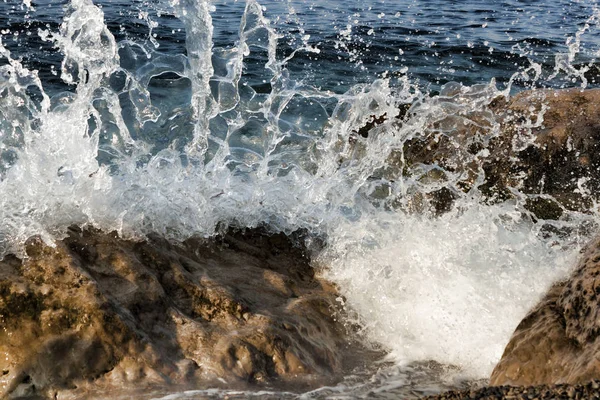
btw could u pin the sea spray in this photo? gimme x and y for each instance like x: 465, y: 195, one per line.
x: 147, y: 142
x: 450, y: 289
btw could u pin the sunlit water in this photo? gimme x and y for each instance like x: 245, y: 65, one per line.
x: 184, y: 116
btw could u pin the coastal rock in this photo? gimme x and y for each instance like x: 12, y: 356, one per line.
x: 549, y: 144
x: 542, y: 144
x: 559, y: 340
x: 588, y: 391
x: 97, y: 313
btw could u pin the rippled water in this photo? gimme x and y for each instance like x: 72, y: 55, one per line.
x: 181, y: 116
x: 438, y: 41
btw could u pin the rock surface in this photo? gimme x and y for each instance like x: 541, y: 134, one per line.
x: 543, y: 145
x: 549, y: 144
x: 98, y: 313
x: 559, y: 340
x: 589, y: 391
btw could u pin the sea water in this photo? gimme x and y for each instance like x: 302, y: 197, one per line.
x: 185, y: 116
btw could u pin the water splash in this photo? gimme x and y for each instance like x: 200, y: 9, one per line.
x: 450, y: 289
x: 181, y: 144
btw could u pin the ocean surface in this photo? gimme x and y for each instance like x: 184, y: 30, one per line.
x: 183, y: 116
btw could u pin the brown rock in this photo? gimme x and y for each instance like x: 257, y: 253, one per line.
x: 588, y: 391
x: 557, y: 156
x: 545, y: 144
x: 559, y: 340
x: 98, y: 313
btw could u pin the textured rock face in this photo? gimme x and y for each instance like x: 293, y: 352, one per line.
x: 97, y: 313
x: 559, y: 340
x: 550, y: 144
x: 588, y: 391
x: 544, y: 143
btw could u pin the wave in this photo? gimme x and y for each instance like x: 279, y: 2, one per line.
x: 148, y: 141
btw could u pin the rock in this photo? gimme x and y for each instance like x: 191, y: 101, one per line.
x: 559, y: 156
x: 559, y: 340
x: 545, y: 144
x: 586, y: 391
x: 97, y: 314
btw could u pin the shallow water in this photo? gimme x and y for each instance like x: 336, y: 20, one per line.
x: 182, y: 117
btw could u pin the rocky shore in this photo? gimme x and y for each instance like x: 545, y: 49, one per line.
x: 539, y: 149
x: 98, y: 315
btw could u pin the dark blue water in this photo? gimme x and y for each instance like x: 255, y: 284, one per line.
x: 436, y: 41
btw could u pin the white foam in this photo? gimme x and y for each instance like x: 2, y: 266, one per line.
x: 450, y: 289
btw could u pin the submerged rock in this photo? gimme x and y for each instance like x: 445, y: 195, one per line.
x: 97, y: 313
x: 559, y: 340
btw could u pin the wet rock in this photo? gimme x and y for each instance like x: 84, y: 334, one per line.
x: 586, y: 391
x: 550, y: 144
x: 543, y: 144
x: 559, y: 340
x: 97, y: 313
